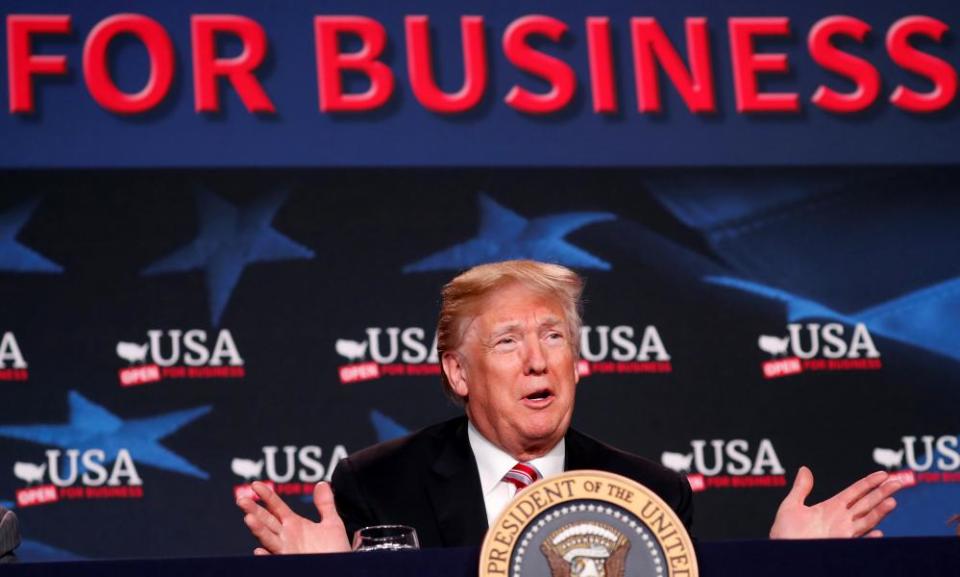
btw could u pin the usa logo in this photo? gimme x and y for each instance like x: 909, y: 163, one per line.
x: 13, y: 367
x: 819, y: 347
x: 924, y: 459
x: 288, y: 470
x: 727, y: 464
x: 178, y: 354
x: 622, y: 349
x: 388, y: 352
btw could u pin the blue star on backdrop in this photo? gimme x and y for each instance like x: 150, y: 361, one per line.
x: 94, y: 427
x: 14, y: 256
x: 387, y: 428
x: 230, y: 238
x: 506, y: 235
x: 34, y: 551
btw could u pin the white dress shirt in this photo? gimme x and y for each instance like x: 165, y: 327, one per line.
x: 493, y: 463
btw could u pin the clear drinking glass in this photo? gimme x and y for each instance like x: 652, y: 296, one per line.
x: 386, y: 538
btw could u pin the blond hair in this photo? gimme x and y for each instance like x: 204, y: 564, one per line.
x: 463, y: 296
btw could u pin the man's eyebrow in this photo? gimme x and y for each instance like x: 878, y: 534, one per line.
x: 511, y: 326
x: 507, y: 327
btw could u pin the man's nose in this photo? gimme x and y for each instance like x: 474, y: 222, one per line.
x: 536, y: 361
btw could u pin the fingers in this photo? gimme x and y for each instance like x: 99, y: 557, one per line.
x: 874, y: 534
x: 260, y: 514
x: 802, y: 486
x: 264, y: 526
x: 874, y: 498
x: 323, y: 500
x: 866, y: 523
x: 269, y: 539
x: 272, y: 501
x: 261, y: 551
x: 854, y: 492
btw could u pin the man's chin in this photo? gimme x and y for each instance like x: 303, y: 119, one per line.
x: 545, y: 434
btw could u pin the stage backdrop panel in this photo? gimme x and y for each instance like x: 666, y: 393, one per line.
x: 169, y: 336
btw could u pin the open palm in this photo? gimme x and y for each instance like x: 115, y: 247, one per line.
x: 281, y: 531
x: 853, y: 512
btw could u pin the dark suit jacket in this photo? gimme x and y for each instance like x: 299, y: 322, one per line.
x: 429, y: 480
x: 9, y: 535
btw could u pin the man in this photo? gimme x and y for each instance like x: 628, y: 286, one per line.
x: 508, y: 340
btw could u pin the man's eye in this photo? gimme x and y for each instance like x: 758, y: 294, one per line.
x: 555, y: 336
x: 506, y: 341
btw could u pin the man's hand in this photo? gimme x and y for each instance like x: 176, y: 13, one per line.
x: 853, y: 512
x: 281, y: 531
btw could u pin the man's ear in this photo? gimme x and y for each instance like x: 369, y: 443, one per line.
x: 456, y: 372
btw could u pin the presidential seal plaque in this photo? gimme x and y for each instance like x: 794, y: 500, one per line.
x: 587, y: 523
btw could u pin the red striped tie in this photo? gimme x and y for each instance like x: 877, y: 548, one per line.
x: 522, y: 475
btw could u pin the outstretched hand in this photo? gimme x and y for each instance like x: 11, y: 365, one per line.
x: 281, y: 531
x: 853, y: 512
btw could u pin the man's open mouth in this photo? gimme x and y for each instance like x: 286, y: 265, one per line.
x: 539, y: 395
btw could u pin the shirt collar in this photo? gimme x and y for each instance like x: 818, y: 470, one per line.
x: 493, y: 462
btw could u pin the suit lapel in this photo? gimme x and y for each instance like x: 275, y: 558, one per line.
x: 577, y: 455
x: 456, y: 494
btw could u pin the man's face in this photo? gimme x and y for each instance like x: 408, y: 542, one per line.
x: 516, y: 365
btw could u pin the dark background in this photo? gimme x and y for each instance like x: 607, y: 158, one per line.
x: 850, y: 239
